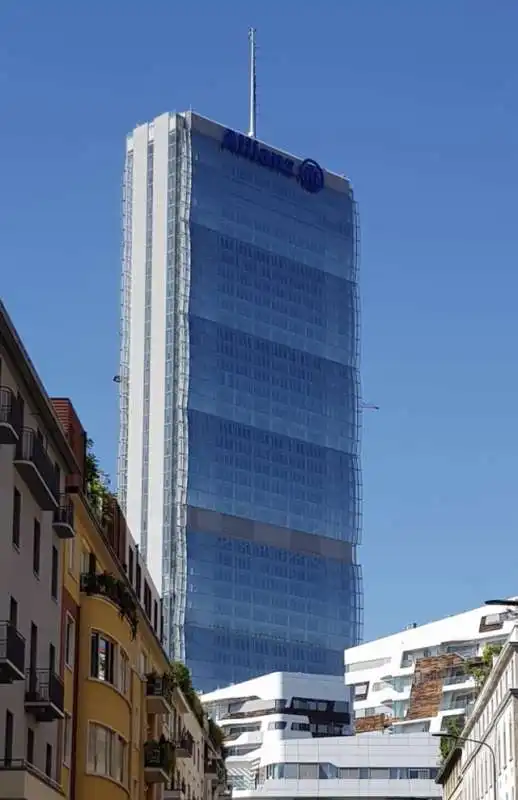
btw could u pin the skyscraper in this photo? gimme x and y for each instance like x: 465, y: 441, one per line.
x: 239, y: 433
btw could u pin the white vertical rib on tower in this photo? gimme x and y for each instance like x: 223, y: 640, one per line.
x: 253, y: 85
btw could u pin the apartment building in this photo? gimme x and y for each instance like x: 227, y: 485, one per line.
x: 483, y: 763
x: 35, y: 460
x: 289, y: 735
x: 128, y: 722
x: 416, y: 680
x: 90, y: 705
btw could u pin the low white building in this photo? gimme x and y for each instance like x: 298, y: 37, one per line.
x: 488, y: 740
x: 289, y: 735
x: 391, y: 677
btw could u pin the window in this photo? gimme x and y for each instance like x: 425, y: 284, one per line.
x: 155, y: 616
x: 277, y: 726
x: 48, y: 761
x: 30, y: 745
x: 106, y: 753
x: 138, y: 581
x: 54, y: 577
x: 8, y: 742
x: 13, y: 612
x: 67, y: 740
x: 17, y: 511
x: 71, y: 553
x: 84, y: 565
x: 130, y: 564
x: 147, y: 599
x: 70, y: 641
x: 361, y: 691
x: 36, y: 546
x: 123, y: 683
x: 52, y: 658
x: 102, y: 664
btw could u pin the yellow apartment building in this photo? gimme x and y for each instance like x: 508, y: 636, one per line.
x: 129, y: 730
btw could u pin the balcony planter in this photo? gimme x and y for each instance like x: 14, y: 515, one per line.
x: 159, y: 760
x: 107, y: 585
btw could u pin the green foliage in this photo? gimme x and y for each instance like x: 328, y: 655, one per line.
x: 454, y: 726
x: 216, y: 733
x: 106, y: 584
x: 182, y: 676
x: 97, y: 482
x: 480, y: 668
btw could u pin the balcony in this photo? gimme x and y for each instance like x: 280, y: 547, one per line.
x: 35, y: 467
x: 115, y: 590
x: 12, y: 654
x: 10, y: 416
x: 44, y: 695
x: 159, y: 693
x: 184, y: 745
x: 158, y: 761
x: 174, y: 791
x: 22, y: 780
x: 63, y: 522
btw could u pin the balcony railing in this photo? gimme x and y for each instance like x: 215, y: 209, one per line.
x: 44, y: 695
x: 36, y: 469
x: 158, y: 760
x: 10, y: 416
x: 12, y: 654
x: 64, y: 518
x: 159, y: 693
x: 184, y: 745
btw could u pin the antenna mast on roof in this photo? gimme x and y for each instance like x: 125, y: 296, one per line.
x: 253, y: 84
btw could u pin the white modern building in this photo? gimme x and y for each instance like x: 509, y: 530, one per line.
x: 415, y: 680
x: 288, y: 735
x: 483, y: 765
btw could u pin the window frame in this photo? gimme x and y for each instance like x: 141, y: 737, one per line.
x: 70, y: 643
x: 114, y: 744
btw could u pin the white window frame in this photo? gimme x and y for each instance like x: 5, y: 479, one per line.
x: 67, y: 739
x: 70, y: 644
x: 103, y: 745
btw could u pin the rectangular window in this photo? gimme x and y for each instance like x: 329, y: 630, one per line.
x: 48, y: 761
x: 36, y: 546
x: 13, y: 612
x: 107, y: 753
x: 30, y: 745
x: 70, y: 641
x: 130, y: 565
x: 102, y: 664
x: 67, y: 740
x: 9, y: 733
x: 85, y: 562
x: 123, y: 672
x: 55, y: 571
x: 155, y: 617
x: 138, y: 581
x: 17, y: 512
x: 147, y: 599
x: 71, y: 553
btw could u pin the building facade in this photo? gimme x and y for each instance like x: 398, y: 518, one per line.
x: 129, y: 729
x: 239, y: 436
x: 290, y: 736
x: 483, y: 764
x: 416, y: 680
x: 90, y: 705
x: 35, y: 460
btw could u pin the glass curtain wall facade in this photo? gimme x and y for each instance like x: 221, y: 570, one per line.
x: 260, y: 514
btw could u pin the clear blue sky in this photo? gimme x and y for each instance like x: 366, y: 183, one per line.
x: 418, y: 103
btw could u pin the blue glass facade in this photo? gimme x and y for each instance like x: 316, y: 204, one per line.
x: 272, y: 582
